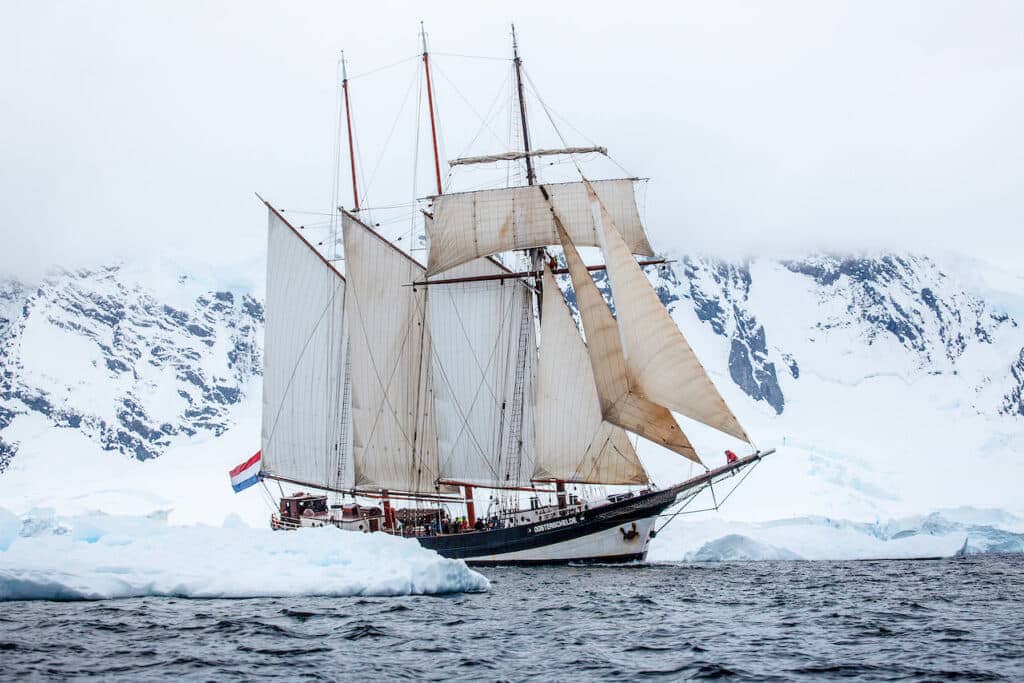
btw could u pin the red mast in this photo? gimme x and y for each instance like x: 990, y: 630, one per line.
x: 348, y: 121
x: 430, y: 104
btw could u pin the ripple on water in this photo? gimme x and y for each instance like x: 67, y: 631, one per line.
x: 812, y: 620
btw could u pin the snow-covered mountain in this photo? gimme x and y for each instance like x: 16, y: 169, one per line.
x: 902, y: 307
x: 101, y: 352
x: 892, y: 384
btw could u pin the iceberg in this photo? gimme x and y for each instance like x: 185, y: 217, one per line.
x: 940, y: 534
x: 97, y: 557
x: 734, y: 547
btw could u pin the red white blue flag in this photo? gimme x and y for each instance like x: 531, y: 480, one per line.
x: 246, y: 474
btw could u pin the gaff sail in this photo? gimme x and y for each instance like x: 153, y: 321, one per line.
x: 484, y: 352
x: 306, y: 432
x: 394, y: 445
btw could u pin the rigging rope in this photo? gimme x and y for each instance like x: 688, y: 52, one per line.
x: 336, y: 180
x: 716, y: 506
x: 382, y: 68
x: 416, y: 151
x: 387, y: 141
x: 468, y: 104
x: 550, y: 114
x: 492, y: 110
x: 452, y: 54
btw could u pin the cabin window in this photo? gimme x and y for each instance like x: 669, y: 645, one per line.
x: 314, y: 506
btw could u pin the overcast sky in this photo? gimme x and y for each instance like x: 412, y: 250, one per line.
x: 131, y: 129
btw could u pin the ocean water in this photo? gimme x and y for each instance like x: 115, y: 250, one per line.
x: 878, y: 620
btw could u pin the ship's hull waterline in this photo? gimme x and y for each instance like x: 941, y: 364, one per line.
x: 615, y: 532
x: 610, y: 531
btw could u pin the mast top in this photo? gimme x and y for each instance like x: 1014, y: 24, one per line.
x: 531, y: 176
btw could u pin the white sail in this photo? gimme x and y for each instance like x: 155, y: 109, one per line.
x: 484, y: 348
x: 661, y: 363
x: 621, y: 404
x: 472, y: 225
x: 394, y: 448
x: 306, y: 431
x: 574, y: 442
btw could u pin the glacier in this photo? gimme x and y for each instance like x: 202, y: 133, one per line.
x: 105, y: 557
x: 941, y: 534
x: 890, y: 383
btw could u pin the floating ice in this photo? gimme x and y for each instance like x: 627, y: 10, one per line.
x: 734, y: 547
x: 97, y: 557
x: 822, y: 538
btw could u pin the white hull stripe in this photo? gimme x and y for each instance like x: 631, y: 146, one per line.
x: 609, y: 543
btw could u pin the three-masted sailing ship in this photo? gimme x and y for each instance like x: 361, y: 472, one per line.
x: 457, y: 401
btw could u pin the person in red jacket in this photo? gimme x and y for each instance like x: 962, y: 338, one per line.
x: 730, y: 457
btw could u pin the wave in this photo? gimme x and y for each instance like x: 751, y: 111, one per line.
x: 96, y: 557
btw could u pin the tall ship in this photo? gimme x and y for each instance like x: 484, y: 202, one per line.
x: 451, y: 395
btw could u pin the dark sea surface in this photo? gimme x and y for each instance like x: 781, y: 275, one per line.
x: 884, y: 620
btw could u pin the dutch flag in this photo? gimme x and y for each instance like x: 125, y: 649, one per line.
x: 246, y: 474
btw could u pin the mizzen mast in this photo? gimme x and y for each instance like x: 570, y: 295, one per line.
x: 348, y: 122
x: 430, y: 105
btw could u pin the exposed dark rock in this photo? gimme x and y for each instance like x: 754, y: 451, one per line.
x: 719, y: 293
x: 7, y: 452
x: 6, y: 415
x: 1013, y: 402
x: 180, y: 317
x: 794, y: 368
x: 902, y: 297
x: 199, y: 331
x: 252, y: 308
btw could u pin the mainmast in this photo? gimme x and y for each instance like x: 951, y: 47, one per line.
x: 536, y: 255
x: 348, y: 121
x: 531, y: 177
x: 525, y: 346
x: 430, y: 105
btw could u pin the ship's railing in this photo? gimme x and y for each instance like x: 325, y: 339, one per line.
x: 278, y: 522
x: 507, y: 518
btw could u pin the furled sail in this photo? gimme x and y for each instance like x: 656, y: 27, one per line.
x: 662, y: 366
x: 621, y: 403
x: 306, y: 431
x: 574, y: 442
x: 389, y: 344
x: 472, y: 225
x: 484, y: 350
